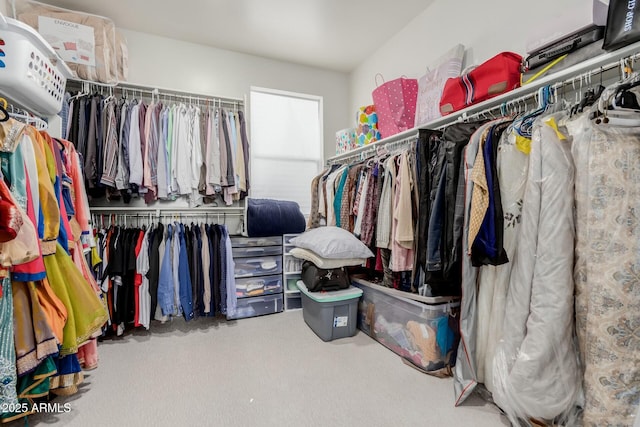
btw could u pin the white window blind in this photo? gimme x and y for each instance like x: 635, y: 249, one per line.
x: 286, y: 145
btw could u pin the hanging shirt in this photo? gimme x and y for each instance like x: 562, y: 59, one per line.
x: 171, y: 169
x: 231, y: 297
x: 214, y: 269
x: 155, y: 240
x: 135, y: 150
x: 223, y: 148
x: 175, y: 254
x: 122, y: 175
x: 240, y: 157
x: 161, y: 158
x: 196, y: 155
x: 359, y: 203
x: 202, y: 179
x: 231, y: 154
x: 331, y: 217
x: 182, y: 150
x: 371, y: 206
x: 156, y: 310
x: 337, y: 201
x: 383, y: 230
x: 142, y: 112
x: 146, y: 152
x: 186, y: 301
x: 90, y: 159
x: 402, y: 229
x: 245, y: 148
x: 143, y: 313
x: 206, y: 265
x: 165, y: 282
x: 213, y: 153
x: 110, y: 149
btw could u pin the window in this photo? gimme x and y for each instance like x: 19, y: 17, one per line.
x: 286, y: 145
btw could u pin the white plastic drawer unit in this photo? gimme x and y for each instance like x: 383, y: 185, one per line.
x: 244, y: 242
x: 289, y: 237
x: 294, y: 301
x: 255, y: 251
x: 258, y: 286
x: 248, y: 267
x: 258, y: 306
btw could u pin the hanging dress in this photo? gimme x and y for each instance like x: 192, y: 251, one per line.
x: 607, y: 270
x: 535, y: 366
x: 494, y: 280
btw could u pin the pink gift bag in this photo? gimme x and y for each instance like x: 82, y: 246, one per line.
x: 395, y: 103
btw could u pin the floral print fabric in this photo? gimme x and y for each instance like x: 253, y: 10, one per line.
x: 607, y: 272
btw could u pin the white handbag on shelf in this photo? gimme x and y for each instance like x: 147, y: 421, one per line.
x: 430, y: 85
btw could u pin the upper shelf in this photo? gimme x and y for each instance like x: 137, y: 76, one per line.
x: 593, y: 66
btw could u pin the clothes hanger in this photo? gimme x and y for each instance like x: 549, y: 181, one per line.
x: 524, y: 125
x: 618, y: 105
x: 4, y: 114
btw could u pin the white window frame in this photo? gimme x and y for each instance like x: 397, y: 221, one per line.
x: 319, y: 99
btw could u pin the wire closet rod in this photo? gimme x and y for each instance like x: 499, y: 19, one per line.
x: 371, y: 150
x: 161, y: 92
x: 585, y: 70
x: 134, y: 209
x: 127, y: 219
x: 165, y: 215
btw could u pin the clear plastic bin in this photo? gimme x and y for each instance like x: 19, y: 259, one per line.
x: 257, y: 286
x: 85, y: 41
x: 426, y: 335
x: 243, y: 242
x: 255, y: 251
x: 258, y: 306
x: 248, y: 267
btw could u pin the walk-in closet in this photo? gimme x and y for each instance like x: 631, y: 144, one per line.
x: 320, y: 213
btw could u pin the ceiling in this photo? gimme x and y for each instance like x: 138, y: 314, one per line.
x: 332, y: 34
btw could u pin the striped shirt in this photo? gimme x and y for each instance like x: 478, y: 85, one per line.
x: 110, y: 148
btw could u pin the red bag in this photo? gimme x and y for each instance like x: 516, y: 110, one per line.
x: 395, y: 103
x: 496, y: 76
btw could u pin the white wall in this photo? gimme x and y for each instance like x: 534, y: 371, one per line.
x: 485, y: 28
x: 173, y: 64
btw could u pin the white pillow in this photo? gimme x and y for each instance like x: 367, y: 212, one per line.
x: 332, y: 243
x: 325, y: 263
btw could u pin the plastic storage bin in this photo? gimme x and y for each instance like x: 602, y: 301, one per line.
x: 258, y: 306
x: 248, y: 267
x: 425, y: 334
x: 243, y: 242
x: 85, y: 41
x: 293, y: 301
x: 331, y: 315
x: 255, y: 251
x: 257, y: 286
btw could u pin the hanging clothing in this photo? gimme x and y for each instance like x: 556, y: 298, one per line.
x: 402, y: 225
x: 131, y: 149
x: 384, y: 220
x: 8, y: 375
x: 607, y: 256
x: 487, y: 247
x: 493, y: 282
x: 535, y: 362
x: 165, y: 280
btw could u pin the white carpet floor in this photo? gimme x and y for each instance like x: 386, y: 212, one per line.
x: 265, y: 371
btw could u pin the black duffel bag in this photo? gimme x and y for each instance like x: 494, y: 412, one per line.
x: 318, y: 279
